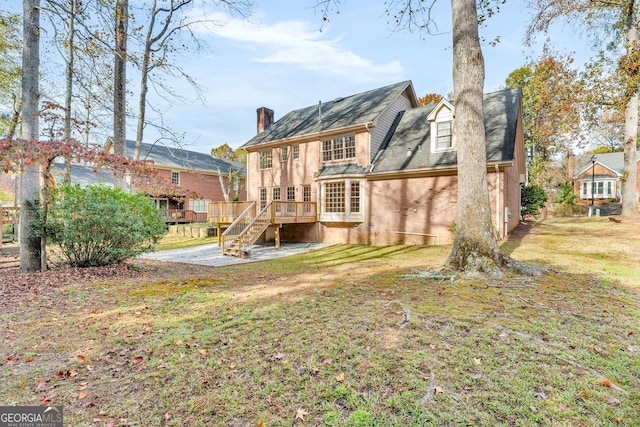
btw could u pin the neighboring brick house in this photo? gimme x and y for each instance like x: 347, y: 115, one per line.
x: 382, y: 170
x: 196, y: 172
x: 600, y: 176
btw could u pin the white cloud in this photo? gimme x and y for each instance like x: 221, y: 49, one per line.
x: 301, y: 44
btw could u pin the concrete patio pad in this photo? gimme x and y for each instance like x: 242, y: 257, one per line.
x: 211, y: 254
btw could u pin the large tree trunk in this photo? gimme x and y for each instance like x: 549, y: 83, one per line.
x: 630, y: 192
x: 120, y: 82
x: 475, y: 247
x: 30, y: 188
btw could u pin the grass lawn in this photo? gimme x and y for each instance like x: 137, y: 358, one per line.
x: 343, y: 336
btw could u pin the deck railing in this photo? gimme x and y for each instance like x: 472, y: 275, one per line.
x: 279, y: 211
x: 8, y: 215
x: 286, y: 211
x: 183, y: 215
x: 226, y: 212
x: 238, y: 227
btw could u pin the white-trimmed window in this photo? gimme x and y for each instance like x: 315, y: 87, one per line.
x: 275, y: 193
x: 441, y: 119
x: 306, y: 193
x: 175, y: 177
x: 603, y: 189
x: 265, y: 159
x: 443, y: 135
x: 295, y: 152
x: 199, y: 205
x: 284, y: 154
x: 161, y: 204
x: 263, y: 197
x: 340, y: 148
x: 342, y: 201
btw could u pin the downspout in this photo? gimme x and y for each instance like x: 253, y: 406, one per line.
x: 498, y: 222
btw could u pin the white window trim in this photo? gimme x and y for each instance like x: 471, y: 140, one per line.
x: 262, y: 156
x: 345, y: 216
x: 342, y: 139
x: 177, y: 173
x: 196, y: 205
x: 604, y: 194
x: 443, y: 112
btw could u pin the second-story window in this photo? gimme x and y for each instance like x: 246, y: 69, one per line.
x: 443, y: 135
x: 296, y: 152
x: 340, y: 148
x: 175, y: 178
x: 266, y: 159
x: 284, y: 154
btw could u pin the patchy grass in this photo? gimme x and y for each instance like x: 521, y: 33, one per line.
x: 316, y: 339
x: 174, y: 241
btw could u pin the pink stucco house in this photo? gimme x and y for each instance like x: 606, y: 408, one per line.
x: 374, y: 168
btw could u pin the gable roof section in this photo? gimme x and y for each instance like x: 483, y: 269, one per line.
x: 352, y: 110
x: 83, y: 175
x: 407, y: 146
x: 178, y: 158
x: 612, y: 161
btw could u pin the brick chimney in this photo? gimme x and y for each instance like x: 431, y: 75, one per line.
x: 265, y: 118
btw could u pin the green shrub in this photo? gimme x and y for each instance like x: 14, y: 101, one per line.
x: 533, y: 198
x: 566, y: 201
x: 566, y: 195
x: 101, y: 226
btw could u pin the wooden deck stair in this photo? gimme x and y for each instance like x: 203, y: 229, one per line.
x: 245, y: 230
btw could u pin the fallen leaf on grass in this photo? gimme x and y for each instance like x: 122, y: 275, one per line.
x: 327, y: 361
x: 137, y: 359
x: 10, y: 360
x: 477, y: 361
x: 203, y: 351
x: 42, y: 385
x: 340, y: 377
x: 82, y: 394
x: 438, y: 390
x: 28, y: 359
x: 81, y: 358
x: 540, y: 395
x: 606, y: 383
x: 613, y: 401
x: 300, y: 413
x: 44, y: 400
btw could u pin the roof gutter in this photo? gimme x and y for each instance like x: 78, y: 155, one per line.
x: 439, y: 170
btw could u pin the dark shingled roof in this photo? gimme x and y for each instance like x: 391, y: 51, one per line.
x: 412, y: 131
x: 83, y: 175
x: 179, y: 158
x: 346, y: 169
x: 341, y: 112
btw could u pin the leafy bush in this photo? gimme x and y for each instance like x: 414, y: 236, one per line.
x: 566, y: 195
x: 99, y: 225
x: 566, y: 201
x: 533, y: 198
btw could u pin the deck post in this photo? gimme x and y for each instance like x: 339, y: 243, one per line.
x: 277, y: 235
x: 219, y: 230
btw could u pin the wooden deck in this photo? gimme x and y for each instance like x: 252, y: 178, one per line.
x: 182, y: 216
x: 8, y: 215
x: 280, y: 212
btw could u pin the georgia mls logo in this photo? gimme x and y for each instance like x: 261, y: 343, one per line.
x: 31, y: 416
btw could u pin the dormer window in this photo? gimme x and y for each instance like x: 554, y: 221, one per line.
x: 443, y: 135
x: 441, y: 119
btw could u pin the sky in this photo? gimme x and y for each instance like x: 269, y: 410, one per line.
x: 284, y: 58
